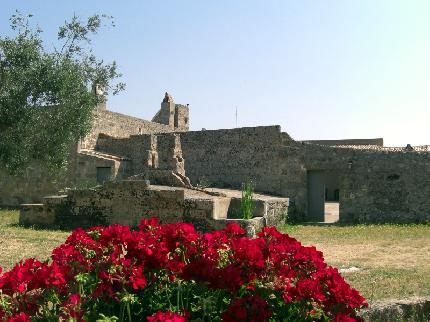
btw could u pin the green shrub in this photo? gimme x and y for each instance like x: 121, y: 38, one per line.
x: 246, y: 203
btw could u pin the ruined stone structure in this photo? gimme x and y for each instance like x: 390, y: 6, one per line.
x: 372, y: 183
x: 170, y: 118
x: 127, y: 202
x: 162, y: 160
x: 87, y: 163
x: 173, y: 115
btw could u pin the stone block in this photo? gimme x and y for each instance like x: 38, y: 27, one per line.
x: 221, y: 207
x: 35, y: 214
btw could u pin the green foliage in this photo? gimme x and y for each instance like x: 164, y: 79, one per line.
x: 246, y: 203
x: 103, y: 318
x: 180, y: 296
x: 47, y: 96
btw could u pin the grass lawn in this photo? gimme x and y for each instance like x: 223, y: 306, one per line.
x: 394, y: 260
x: 18, y: 242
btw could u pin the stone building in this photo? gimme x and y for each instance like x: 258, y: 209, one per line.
x: 369, y: 183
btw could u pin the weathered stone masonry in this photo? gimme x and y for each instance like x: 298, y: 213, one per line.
x: 374, y: 183
x: 174, y: 118
x: 228, y: 158
x: 85, y: 159
x: 127, y: 202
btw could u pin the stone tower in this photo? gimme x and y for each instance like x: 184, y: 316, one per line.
x: 181, y: 117
x: 174, y: 115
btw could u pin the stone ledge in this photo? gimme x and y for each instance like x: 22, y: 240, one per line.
x: 413, y: 309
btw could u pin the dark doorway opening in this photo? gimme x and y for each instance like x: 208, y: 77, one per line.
x: 323, y: 196
x: 104, y: 174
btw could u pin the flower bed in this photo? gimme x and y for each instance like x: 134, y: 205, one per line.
x: 173, y: 273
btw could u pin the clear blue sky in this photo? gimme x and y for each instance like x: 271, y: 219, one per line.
x: 320, y: 69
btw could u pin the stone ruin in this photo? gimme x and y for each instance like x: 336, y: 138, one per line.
x: 164, y: 163
x: 162, y: 189
x: 134, y: 160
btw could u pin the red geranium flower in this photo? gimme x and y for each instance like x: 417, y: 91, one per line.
x: 104, y: 262
x: 20, y: 317
x: 166, y: 317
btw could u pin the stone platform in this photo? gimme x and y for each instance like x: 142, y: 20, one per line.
x: 127, y: 202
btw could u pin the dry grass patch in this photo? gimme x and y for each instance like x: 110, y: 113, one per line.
x: 18, y: 242
x: 394, y: 260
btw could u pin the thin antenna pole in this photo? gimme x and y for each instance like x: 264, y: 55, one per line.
x: 236, y: 116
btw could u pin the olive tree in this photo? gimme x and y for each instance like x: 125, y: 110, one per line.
x: 47, y: 94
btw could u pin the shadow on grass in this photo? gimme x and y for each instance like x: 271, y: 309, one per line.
x: 53, y: 227
x: 9, y: 218
x: 9, y: 208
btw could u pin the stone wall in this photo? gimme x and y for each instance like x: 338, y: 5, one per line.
x: 89, y: 161
x: 376, y: 186
x: 151, y: 155
x: 122, y: 147
x: 386, y: 187
x: 28, y: 187
x: 375, y: 142
x: 297, y: 158
x: 228, y: 158
x: 120, y: 126
x: 124, y: 202
x: 222, y: 158
x: 127, y: 202
x: 35, y: 182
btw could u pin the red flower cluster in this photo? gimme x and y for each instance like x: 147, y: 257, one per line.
x: 251, y: 308
x: 165, y: 317
x: 115, y: 268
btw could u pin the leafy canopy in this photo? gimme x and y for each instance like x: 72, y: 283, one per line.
x: 47, y: 95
